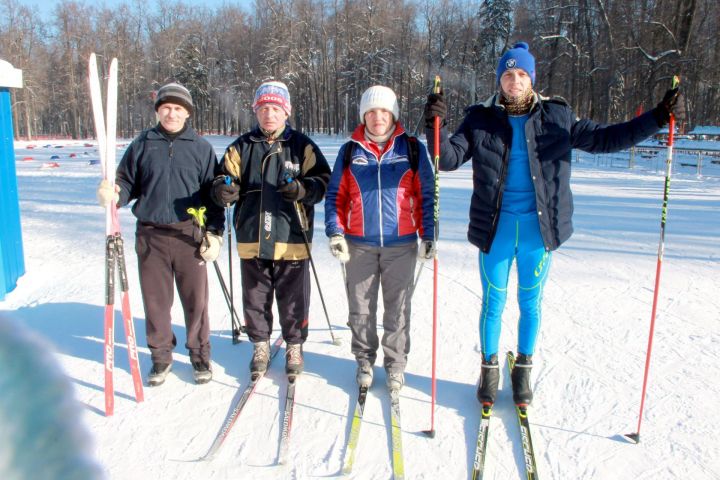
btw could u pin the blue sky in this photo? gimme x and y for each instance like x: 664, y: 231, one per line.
x: 46, y: 7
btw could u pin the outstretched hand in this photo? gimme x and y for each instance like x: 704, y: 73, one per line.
x: 672, y: 103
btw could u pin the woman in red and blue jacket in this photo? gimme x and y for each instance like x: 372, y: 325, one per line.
x: 379, y: 201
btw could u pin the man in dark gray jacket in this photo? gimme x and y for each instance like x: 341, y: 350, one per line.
x: 520, y: 144
x: 166, y: 170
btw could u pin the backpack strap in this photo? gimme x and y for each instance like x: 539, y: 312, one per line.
x: 347, y: 160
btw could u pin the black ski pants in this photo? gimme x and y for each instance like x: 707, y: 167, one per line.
x: 168, y: 256
x: 289, y: 282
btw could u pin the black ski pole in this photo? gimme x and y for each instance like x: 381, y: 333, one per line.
x: 303, y: 228
x: 226, y: 294
x: 234, y: 319
x: 199, y: 218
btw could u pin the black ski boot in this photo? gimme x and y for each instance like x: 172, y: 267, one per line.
x: 488, y: 384
x: 520, y: 376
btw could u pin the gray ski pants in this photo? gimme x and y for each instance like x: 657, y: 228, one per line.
x: 369, y: 268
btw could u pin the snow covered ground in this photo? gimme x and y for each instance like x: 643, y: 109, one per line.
x: 589, y: 361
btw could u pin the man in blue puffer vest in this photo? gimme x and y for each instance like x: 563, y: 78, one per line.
x: 520, y: 144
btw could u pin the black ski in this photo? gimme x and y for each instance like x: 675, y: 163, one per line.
x: 525, y: 437
x: 354, y: 431
x: 239, y: 405
x: 287, y: 420
x: 478, y: 466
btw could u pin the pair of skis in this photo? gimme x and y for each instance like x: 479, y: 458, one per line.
x: 395, y: 434
x: 114, y: 248
x: 240, y: 405
x: 478, y: 465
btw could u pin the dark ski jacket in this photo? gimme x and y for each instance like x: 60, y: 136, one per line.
x: 166, y: 177
x: 267, y: 225
x: 552, y: 132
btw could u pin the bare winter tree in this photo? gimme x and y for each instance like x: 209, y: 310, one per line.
x: 608, y: 58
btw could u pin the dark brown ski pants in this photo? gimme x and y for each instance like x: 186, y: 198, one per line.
x: 168, y: 256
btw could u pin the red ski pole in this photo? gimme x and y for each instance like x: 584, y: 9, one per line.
x: 635, y: 437
x: 436, y: 218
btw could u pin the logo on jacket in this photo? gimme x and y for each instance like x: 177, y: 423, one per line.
x: 360, y: 161
x: 268, y: 224
x: 510, y: 63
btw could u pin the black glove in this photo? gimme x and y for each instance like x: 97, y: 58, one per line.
x: 223, y: 193
x: 673, y: 102
x: 293, y: 190
x: 435, y: 107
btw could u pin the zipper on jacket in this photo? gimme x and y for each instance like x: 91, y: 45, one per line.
x: 412, y: 212
x: 547, y: 197
x: 349, y: 215
x: 261, y: 227
x: 167, y: 178
x: 380, y: 209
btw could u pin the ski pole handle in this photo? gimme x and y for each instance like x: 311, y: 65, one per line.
x: 198, y: 215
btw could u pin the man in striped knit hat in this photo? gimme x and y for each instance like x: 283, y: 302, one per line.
x: 274, y: 175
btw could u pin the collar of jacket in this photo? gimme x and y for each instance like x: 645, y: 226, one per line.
x: 256, y: 135
x: 155, y: 134
x: 358, y: 136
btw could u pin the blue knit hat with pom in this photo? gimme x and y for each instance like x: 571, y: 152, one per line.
x: 518, y: 56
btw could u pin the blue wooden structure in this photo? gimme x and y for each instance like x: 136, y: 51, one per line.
x: 12, y: 263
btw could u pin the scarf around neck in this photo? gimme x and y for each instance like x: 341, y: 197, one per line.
x: 518, y: 105
x: 380, y: 140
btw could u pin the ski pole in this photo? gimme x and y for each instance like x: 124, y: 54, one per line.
x: 234, y: 319
x: 436, y: 218
x: 199, y: 217
x: 417, y: 277
x: 635, y: 437
x: 303, y: 228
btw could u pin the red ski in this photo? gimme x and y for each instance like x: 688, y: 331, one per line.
x: 114, y: 249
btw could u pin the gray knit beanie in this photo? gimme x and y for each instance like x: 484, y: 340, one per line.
x: 174, y: 93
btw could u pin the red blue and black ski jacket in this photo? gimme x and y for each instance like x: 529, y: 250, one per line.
x: 379, y: 199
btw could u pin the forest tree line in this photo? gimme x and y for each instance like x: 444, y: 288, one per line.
x: 609, y: 59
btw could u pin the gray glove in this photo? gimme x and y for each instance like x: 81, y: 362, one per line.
x: 210, y: 247
x: 107, y: 194
x: 426, y: 250
x: 339, y: 248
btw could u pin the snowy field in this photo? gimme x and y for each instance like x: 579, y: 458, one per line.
x: 589, y: 360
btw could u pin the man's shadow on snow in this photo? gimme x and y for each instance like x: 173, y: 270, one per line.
x: 76, y: 330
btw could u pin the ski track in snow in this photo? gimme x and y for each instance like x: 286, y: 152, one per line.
x: 589, y: 361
